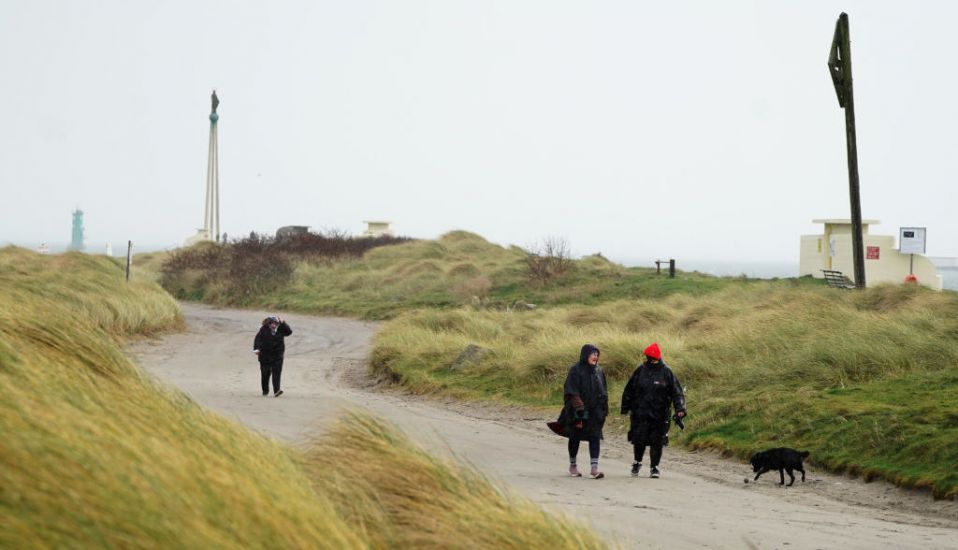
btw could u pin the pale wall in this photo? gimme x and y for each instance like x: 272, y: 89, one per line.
x: 891, y: 267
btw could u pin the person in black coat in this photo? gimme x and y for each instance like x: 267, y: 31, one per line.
x: 649, y: 394
x: 586, y: 407
x: 269, y: 346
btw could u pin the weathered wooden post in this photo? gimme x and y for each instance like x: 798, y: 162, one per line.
x: 671, y: 268
x: 840, y: 67
x: 129, y: 258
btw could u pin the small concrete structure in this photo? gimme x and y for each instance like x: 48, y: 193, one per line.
x: 883, y: 262
x: 377, y: 229
x: 291, y: 230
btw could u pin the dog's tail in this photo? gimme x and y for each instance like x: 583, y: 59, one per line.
x: 804, y: 454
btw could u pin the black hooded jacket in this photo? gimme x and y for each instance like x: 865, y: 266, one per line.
x: 588, y: 383
x: 271, y: 346
x: 650, y: 392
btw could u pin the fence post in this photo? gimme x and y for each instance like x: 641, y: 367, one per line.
x: 129, y: 258
x: 671, y: 268
x: 658, y: 267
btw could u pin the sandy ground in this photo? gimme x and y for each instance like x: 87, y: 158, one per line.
x: 700, y: 501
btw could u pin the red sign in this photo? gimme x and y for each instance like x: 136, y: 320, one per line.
x: 871, y: 252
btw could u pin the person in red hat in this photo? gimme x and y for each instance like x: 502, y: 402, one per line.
x: 649, y: 395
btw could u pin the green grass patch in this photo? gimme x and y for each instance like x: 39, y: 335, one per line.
x: 458, y: 269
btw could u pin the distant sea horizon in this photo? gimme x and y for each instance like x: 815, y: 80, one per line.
x: 727, y: 268
x: 947, y: 268
x: 119, y: 248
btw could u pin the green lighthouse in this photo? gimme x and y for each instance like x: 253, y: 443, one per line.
x: 76, y: 242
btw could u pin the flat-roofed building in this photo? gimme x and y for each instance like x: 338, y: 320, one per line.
x: 378, y: 229
x: 832, y: 249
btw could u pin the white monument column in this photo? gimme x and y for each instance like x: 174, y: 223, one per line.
x: 211, y: 209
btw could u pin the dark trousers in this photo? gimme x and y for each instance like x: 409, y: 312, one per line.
x: 655, y: 454
x: 274, y: 369
x: 593, y: 447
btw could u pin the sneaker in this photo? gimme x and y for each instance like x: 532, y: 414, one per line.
x: 655, y: 472
x: 265, y: 393
x: 596, y: 474
x: 574, y: 472
x: 279, y: 393
x: 635, y: 468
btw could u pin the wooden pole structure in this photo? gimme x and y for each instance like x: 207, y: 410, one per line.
x: 129, y: 258
x: 840, y: 67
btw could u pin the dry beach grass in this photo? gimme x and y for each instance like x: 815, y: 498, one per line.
x: 93, y: 453
x: 868, y: 381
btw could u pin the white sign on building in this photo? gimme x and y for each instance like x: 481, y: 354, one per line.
x: 911, y: 240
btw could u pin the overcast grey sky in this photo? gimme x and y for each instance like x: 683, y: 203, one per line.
x: 696, y: 130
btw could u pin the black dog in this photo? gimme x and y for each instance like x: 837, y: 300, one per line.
x: 782, y: 459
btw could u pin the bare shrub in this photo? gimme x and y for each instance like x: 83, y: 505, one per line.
x: 258, y: 263
x: 332, y: 243
x: 549, y: 260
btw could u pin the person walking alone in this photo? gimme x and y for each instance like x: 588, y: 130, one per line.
x: 586, y: 407
x: 649, y: 394
x: 269, y: 347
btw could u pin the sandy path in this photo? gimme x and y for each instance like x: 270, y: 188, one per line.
x: 700, y: 501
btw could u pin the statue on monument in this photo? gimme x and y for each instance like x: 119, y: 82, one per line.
x: 215, y: 100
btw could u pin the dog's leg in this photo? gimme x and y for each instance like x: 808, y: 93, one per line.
x: 803, y: 474
x: 791, y: 477
x: 781, y: 474
x: 760, y: 472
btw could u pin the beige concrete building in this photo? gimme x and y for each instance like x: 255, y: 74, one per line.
x: 883, y: 262
x: 377, y: 229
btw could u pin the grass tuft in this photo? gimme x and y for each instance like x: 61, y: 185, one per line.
x: 402, y: 496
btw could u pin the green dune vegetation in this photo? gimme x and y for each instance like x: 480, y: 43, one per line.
x: 459, y: 269
x: 865, y: 380
x: 96, y: 454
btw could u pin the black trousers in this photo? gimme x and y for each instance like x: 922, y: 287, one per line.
x: 655, y: 453
x: 273, y: 368
x: 593, y: 447
x: 648, y: 432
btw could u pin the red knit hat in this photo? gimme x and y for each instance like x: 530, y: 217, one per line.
x: 653, y: 351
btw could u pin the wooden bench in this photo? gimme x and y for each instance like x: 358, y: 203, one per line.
x: 836, y: 279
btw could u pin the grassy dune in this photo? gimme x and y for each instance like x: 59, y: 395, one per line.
x: 95, y: 454
x: 458, y: 269
x: 400, y: 496
x: 867, y: 381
